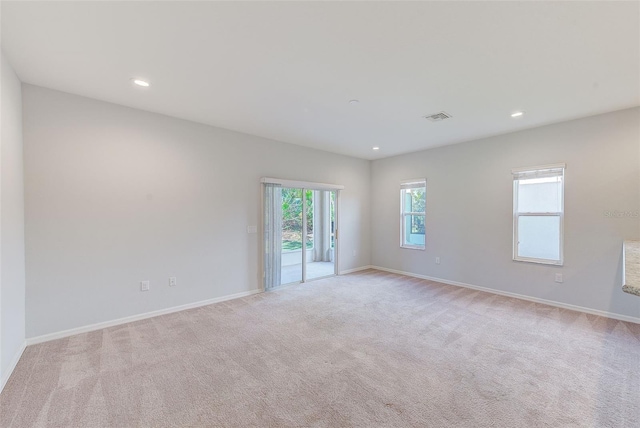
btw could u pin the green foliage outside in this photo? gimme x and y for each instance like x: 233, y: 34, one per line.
x: 292, y: 219
x: 415, y: 201
x: 295, y: 245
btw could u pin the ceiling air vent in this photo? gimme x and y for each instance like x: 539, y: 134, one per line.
x: 438, y: 117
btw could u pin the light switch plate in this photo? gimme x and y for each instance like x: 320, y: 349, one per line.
x: 144, y: 285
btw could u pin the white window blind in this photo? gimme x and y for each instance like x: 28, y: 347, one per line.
x: 548, y: 171
x: 413, y: 184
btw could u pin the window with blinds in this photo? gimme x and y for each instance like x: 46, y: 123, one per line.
x: 538, y: 214
x: 413, y: 213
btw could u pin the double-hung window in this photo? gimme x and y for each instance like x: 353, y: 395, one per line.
x: 413, y: 213
x: 538, y: 214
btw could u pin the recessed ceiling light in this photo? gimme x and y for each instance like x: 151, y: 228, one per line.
x: 140, y: 82
x: 376, y: 148
x: 354, y: 102
x: 517, y: 114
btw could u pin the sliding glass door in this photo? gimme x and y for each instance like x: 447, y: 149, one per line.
x: 292, y: 236
x: 299, y: 234
x: 321, y: 231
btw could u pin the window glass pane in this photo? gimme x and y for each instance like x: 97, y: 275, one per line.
x: 414, y: 200
x: 414, y: 230
x: 540, y: 195
x: 539, y: 237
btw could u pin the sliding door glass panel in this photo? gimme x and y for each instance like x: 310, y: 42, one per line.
x: 300, y: 235
x: 291, y: 235
x: 320, y: 257
x: 309, y: 195
x: 332, y: 200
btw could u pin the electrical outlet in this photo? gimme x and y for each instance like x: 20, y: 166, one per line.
x: 437, y: 260
x: 173, y: 281
x: 144, y: 285
x: 252, y: 229
x: 558, y: 277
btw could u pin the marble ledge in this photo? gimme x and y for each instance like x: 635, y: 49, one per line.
x: 631, y: 274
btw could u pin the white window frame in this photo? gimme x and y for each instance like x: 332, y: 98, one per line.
x: 412, y: 184
x: 534, y: 172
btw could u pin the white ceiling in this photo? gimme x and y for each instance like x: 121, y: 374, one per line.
x: 286, y: 71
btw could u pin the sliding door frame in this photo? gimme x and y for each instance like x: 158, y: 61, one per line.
x: 304, y: 185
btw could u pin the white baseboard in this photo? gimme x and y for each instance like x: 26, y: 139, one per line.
x: 517, y: 296
x: 125, y: 320
x: 358, y: 269
x: 12, y: 366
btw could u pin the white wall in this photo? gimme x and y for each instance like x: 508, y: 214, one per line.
x: 116, y: 195
x: 12, y: 261
x: 469, y: 210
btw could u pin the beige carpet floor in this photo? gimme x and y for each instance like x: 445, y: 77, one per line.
x: 364, y: 350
